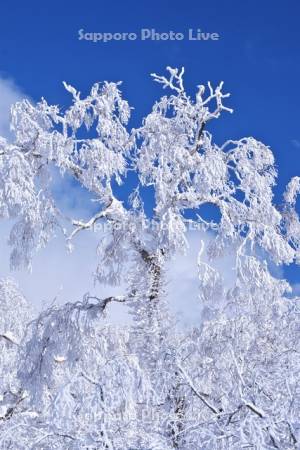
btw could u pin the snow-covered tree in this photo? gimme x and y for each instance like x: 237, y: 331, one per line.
x: 15, y: 313
x: 233, y: 381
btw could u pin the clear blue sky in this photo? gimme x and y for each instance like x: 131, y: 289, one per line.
x: 257, y: 56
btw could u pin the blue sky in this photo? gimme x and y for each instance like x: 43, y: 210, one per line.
x: 257, y: 56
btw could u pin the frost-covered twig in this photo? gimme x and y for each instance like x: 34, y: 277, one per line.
x: 175, y: 81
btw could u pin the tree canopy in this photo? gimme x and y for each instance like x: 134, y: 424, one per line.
x: 70, y: 381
